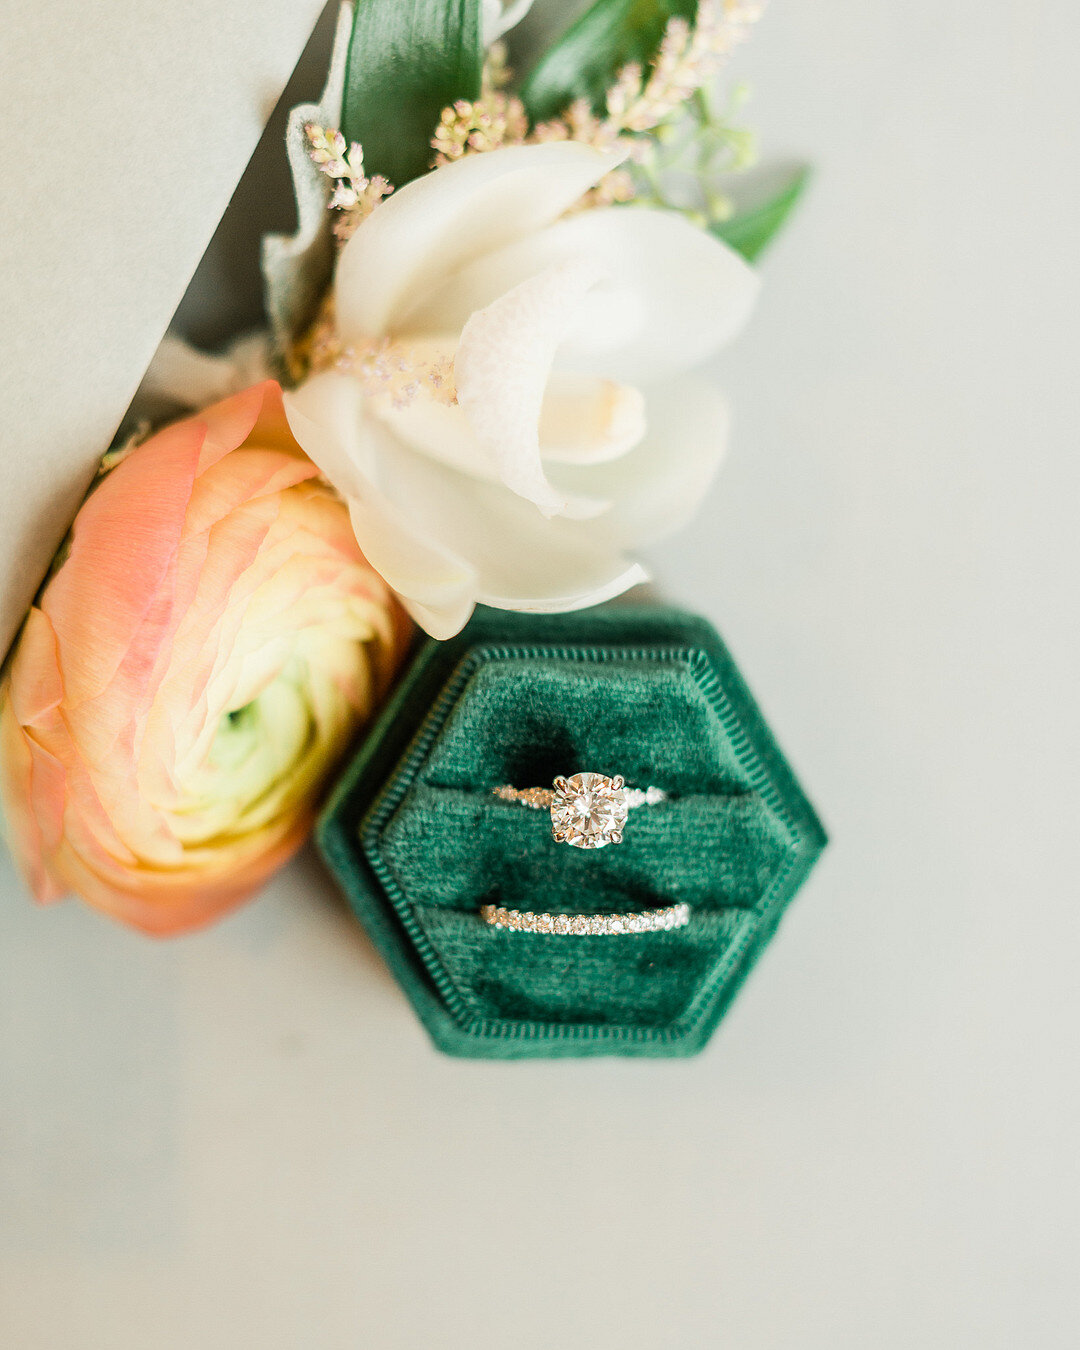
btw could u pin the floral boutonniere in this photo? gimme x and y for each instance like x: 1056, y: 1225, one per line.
x: 497, y: 380
x: 475, y: 387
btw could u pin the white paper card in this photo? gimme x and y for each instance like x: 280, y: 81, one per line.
x: 125, y: 130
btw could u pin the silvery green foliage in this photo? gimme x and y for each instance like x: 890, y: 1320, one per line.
x: 297, y: 268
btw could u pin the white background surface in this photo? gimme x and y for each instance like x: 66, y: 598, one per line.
x: 244, y: 1139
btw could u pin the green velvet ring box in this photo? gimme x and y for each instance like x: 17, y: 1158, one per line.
x: 419, y: 842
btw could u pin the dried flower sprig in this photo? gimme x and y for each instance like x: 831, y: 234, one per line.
x: 638, y: 107
x: 355, y: 195
x: 688, y: 59
x: 392, y: 371
x: 493, y: 120
x: 486, y: 124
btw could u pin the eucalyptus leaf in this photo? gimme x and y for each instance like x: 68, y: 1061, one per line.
x: 750, y: 232
x: 584, y: 62
x: 408, y: 60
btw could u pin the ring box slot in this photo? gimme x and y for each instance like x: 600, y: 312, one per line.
x: 500, y: 853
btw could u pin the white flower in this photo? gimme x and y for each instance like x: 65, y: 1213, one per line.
x: 567, y: 442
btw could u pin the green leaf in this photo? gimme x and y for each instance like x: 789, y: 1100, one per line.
x: 752, y: 231
x: 408, y: 59
x: 584, y: 62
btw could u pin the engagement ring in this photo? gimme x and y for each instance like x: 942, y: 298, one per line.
x: 588, y: 810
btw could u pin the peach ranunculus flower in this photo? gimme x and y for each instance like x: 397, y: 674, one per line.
x: 505, y: 407
x: 191, y: 671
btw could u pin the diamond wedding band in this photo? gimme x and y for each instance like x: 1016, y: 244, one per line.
x: 588, y: 810
x: 587, y: 925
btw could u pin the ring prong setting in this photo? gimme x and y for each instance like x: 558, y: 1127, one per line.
x: 588, y: 810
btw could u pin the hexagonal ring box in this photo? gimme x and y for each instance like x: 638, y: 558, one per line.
x: 422, y: 844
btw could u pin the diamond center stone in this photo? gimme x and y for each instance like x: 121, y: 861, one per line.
x: 588, y: 811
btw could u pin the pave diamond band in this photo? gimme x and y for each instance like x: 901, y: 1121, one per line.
x: 588, y: 810
x: 587, y: 925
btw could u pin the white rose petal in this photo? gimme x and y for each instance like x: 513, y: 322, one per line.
x: 522, y: 561
x: 460, y: 212
x: 658, y: 487
x: 502, y: 367
x: 442, y: 541
x: 667, y: 296
x: 587, y: 420
x: 438, y: 588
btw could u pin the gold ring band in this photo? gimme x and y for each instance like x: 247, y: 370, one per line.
x: 587, y: 925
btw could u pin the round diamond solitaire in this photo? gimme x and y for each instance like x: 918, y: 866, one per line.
x: 588, y: 810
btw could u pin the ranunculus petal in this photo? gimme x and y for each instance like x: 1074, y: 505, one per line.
x: 36, y: 687
x: 29, y: 804
x: 658, y: 486
x: 226, y: 424
x: 120, y: 562
x: 445, y: 219
x: 501, y: 370
x: 669, y: 296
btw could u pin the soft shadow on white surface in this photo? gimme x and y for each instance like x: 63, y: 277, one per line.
x: 244, y: 1137
x: 89, y: 1086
